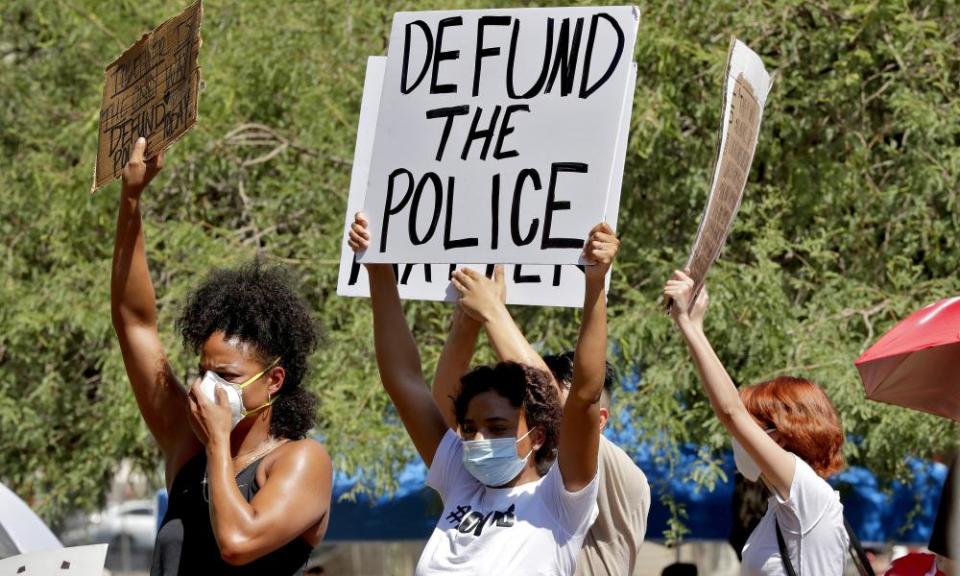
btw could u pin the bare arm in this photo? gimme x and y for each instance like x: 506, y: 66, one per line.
x: 397, y: 356
x: 161, y: 400
x: 776, y: 464
x: 580, y: 427
x: 483, y: 299
x: 454, y: 363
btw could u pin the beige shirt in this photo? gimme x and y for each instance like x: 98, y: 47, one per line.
x: 614, y: 540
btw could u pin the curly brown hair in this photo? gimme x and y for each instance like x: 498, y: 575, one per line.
x: 526, y: 388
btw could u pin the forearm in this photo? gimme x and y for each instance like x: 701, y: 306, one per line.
x: 131, y: 290
x: 719, y: 387
x: 232, y: 517
x: 508, y: 342
x: 454, y: 363
x: 590, y: 359
x: 397, y: 356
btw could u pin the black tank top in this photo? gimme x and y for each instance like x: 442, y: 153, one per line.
x: 186, y: 544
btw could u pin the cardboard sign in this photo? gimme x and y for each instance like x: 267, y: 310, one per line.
x: 150, y: 91
x: 496, y: 135
x: 75, y: 561
x: 745, y: 94
x: 542, y: 285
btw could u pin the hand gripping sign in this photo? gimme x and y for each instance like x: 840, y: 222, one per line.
x: 496, y: 135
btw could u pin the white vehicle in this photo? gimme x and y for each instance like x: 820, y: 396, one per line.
x: 130, y: 526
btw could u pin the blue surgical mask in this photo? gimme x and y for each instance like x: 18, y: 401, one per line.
x: 494, y: 462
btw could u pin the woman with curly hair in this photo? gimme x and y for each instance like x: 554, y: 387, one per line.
x: 499, y: 515
x: 249, y: 493
x: 785, y: 433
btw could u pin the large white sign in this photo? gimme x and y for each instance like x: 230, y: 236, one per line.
x: 543, y: 285
x: 496, y: 134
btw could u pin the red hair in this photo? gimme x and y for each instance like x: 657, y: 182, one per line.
x: 805, y: 419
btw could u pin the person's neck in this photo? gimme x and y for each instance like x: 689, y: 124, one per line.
x: 246, y: 441
x: 528, y: 475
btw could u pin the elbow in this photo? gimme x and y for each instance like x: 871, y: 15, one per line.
x: 235, y: 551
x: 730, y: 413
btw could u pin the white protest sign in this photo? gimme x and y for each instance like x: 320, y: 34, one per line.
x: 746, y: 87
x: 543, y: 285
x: 75, y: 561
x: 496, y: 134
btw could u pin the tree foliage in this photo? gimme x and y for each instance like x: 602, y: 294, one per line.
x: 850, y: 220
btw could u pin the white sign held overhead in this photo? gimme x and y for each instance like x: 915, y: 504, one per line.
x: 75, y: 561
x: 746, y: 86
x: 496, y: 136
x: 542, y: 285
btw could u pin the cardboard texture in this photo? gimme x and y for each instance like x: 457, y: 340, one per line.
x: 745, y: 92
x: 151, y: 91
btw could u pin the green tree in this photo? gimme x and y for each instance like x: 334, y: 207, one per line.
x: 850, y: 220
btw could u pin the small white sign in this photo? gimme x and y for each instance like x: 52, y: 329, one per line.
x: 75, y: 561
x: 539, y: 285
x: 495, y: 138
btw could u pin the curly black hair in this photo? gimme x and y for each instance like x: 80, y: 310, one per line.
x: 524, y: 387
x: 260, y: 306
x: 562, y: 367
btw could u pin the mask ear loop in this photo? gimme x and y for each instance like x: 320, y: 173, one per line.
x: 270, y: 398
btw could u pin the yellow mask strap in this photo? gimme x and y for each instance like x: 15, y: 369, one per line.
x: 256, y: 377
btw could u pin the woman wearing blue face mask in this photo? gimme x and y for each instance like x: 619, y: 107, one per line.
x: 499, y: 515
x: 248, y: 493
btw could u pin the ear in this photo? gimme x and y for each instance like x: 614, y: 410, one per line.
x: 538, y: 437
x: 604, y: 417
x: 275, y: 379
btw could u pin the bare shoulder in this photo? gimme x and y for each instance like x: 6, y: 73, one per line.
x: 301, y: 456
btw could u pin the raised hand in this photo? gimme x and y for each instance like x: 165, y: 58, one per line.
x: 600, y: 250
x: 359, y: 236
x: 480, y: 297
x: 138, y: 173
x: 679, y: 288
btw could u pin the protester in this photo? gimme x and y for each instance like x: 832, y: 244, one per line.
x: 499, y: 515
x: 613, y: 542
x: 248, y: 494
x: 786, y: 433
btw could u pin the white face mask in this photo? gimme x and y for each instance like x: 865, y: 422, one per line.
x: 211, y: 381
x: 745, y: 463
x: 494, y: 462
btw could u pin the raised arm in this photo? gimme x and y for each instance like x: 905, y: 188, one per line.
x: 580, y: 427
x: 776, y: 464
x: 133, y: 307
x: 454, y: 362
x: 483, y: 299
x: 397, y: 356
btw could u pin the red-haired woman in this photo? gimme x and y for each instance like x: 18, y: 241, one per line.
x: 785, y: 433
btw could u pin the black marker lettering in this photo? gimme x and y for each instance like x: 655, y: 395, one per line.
x: 505, y: 130
x: 566, y: 57
x: 428, y: 36
x: 511, y: 59
x: 390, y: 209
x: 515, y: 210
x: 584, y: 91
x: 448, y: 242
x: 441, y: 56
x: 520, y: 278
x: 554, y: 205
x: 486, y: 135
x: 415, y: 239
x: 449, y: 114
x: 484, y: 52
x: 495, y: 213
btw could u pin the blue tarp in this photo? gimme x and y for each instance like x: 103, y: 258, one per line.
x: 412, y: 511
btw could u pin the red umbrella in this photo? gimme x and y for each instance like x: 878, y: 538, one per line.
x: 917, y: 364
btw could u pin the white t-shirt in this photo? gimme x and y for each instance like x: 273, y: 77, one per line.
x: 536, y: 528
x: 811, y: 520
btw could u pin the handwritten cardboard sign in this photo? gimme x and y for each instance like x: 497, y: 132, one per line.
x: 150, y: 91
x: 541, y: 285
x: 745, y: 94
x: 495, y: 138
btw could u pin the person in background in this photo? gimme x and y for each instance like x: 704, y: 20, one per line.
x: 613, y: 542
x: 499, y: 515
x: 785, y: 433
x: 248, y: 492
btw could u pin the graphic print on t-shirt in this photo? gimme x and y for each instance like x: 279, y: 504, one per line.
x: 468, y: 520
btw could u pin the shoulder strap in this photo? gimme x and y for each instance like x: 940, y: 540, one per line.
x: 784, y: 555
x: 860, y: 559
